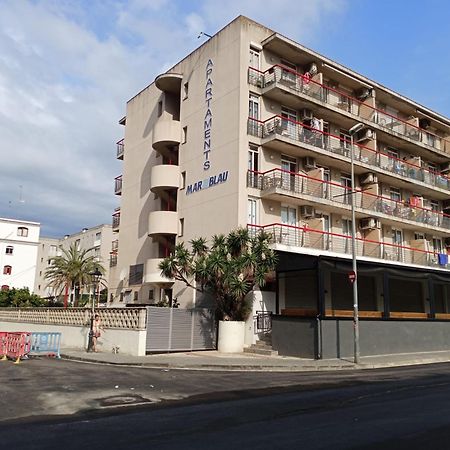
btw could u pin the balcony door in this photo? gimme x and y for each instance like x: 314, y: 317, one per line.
x: 289, y: 122
x: 289, y: 169
x: 397, y: 240
x: 253, y: 114
x: 288, y: 233
x: 346, y: 183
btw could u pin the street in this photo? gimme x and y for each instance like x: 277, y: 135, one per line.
x: 62, y: 403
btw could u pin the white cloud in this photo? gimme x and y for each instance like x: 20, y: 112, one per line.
x: 66, y: 71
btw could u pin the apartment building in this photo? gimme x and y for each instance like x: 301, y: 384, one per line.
x: 98, y: 238
x: 18, y: 253
x: 252, y: 129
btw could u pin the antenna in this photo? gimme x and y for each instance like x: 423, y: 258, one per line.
x: 203, y: 34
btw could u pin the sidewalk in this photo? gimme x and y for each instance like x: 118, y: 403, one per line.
x: 213, y: 360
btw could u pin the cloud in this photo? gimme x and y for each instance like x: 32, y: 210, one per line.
x: 67, y: 69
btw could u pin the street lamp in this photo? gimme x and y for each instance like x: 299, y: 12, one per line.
x: 95, y: 276
x: 353, y: 130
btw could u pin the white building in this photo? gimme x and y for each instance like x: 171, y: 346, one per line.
x: 19, y: 242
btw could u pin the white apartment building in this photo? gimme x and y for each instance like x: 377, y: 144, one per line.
x: 18, y: 253
x: 98, y: 238
x: 252, y: 129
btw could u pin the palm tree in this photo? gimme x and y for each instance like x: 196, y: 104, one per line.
x: 72, y: 270
x: 228, y: 270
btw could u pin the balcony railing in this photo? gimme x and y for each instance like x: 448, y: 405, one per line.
x: 305, y: 134
x: 116, y: 219
x: 339, y: 243
x: 318, y: 189
x: 280, y: 75
x: 120, y: 148
x: 118, y: 185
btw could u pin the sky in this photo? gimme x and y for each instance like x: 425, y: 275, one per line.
x: 68, y: 67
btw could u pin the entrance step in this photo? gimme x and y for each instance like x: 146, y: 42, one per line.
x: 261, y: 348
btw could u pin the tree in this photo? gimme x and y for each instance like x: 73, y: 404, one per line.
x: 228, y: 270
x: 71, y: 270
x: 20, y: 298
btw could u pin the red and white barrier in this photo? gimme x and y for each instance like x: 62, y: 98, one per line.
x: 15, y: 345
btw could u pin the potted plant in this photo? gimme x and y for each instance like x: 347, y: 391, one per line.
x: 228, y: 270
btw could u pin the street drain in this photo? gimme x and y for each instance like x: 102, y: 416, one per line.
x: 123, y: 400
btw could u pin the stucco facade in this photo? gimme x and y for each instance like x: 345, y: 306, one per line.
x: 252, y: 129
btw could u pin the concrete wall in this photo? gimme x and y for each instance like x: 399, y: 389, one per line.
x: 130, y: 342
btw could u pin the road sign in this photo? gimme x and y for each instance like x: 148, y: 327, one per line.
x: 352, y: 276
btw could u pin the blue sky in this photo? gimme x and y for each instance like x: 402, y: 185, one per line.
x: 67, y: 68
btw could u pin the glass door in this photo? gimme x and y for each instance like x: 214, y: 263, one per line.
x: 288, y: 233
x: 253, y: 115
x: 289, y: 122
x: 289, y: 170
x: 397, y: 240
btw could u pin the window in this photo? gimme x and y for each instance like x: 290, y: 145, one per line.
x: 7, y: 270
x: 53, y: 250
x: 434, y: 205
x: 289, y: 215
x: 346, y: 182
x: 419, y: 236
x: 395, y: 194
x: 184, y: 137
x: 185, y: 90
x: 160, y: 108
x: 9, y: 250
x: 345, y: 139
x: 253, y: 166
x: 254, y: 58
x: 98, y: 236
x: 121, y: 297
x: 181, y: 227
x: 22, y: 231
x: 135, y: 296
x: 77, y: 243
x: 253, y: 106
x: 252, y: 211
x: 183, y: 180
x: 136, y: 274
x: 151, y: 294
x: 437, y: 245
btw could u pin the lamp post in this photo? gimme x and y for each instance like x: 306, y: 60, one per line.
x: 96, y: 275
x: 353, y: 130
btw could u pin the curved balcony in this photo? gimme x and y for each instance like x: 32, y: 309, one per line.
x: 162, y: 223
x: 169, y: 82
x: 153, y: 273
x: 166, y: 133
x: 164, y: 177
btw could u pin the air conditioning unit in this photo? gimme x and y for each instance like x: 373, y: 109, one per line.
x: 309, y: 162
x: 306, y: 114
x: 445, y: 168
x: 368, y: 178
x: 307, y: 211
x: 365, y: 135
x: 364, y: 93
x: 369, y: 223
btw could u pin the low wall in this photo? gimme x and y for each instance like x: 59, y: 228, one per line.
x: 123, y: 328
x: 333, y: 338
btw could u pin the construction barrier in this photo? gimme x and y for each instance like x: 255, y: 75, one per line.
x: 42, y: 342
x: 3, y: 336
x: 17, y: 345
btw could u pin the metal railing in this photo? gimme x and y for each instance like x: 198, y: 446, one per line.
x: 318, y: 189
x: 120, y: 148
x: 263, y: 321
x: 118, y: 184
x: 297, y: 131
x: 125, y: 318
x: 306, y: 237
x: 301, y: 84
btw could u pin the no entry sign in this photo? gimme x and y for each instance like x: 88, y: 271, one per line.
x: 352, y: 276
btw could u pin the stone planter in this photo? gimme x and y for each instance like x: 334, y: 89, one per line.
x: 231, y: 337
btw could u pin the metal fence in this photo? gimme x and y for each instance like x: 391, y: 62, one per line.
x: 176, y: 329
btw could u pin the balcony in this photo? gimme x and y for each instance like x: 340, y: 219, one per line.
x: 118, y: 185
x: 163, y: 223
x: 166, y: 133
x: 153, y: 273
x: 116, y: 220
x: 113, y: 260
x: 276, y: 184
x: 120, y: 149
x: 280, y: 130
x: 169, y: 82
x: 278, y: 80
x: 312, y: 241
x: 163, y: 177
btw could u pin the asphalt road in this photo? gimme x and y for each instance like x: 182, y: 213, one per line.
x: 46, y: 404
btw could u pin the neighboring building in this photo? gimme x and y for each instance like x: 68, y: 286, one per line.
x: 18, y: 253
x: 99, y: 238
x: 252, y: 129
